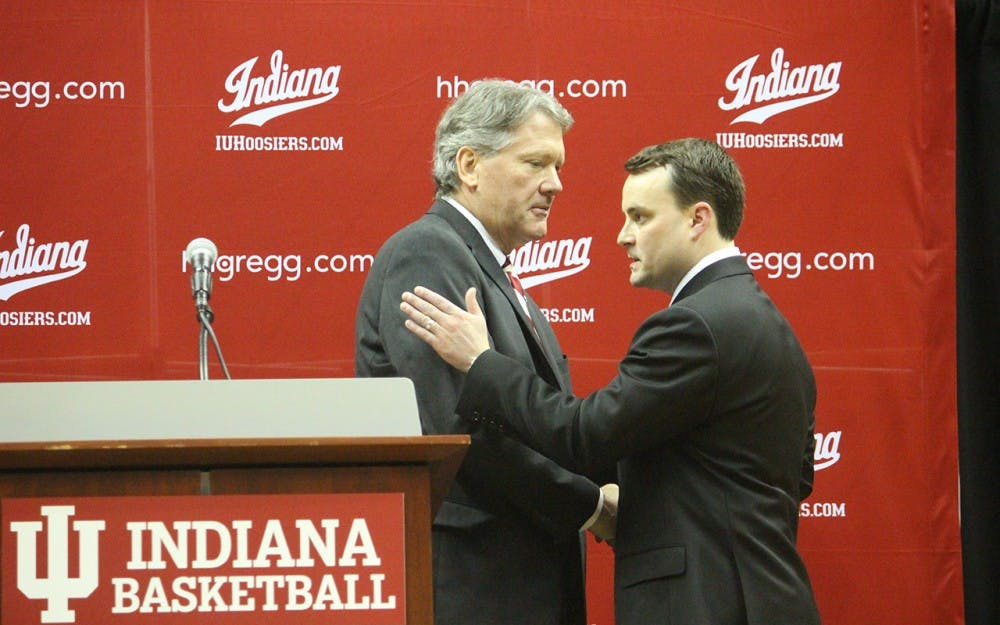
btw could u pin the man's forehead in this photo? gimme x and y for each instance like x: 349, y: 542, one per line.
x: 655, y: 179
x: 539, y: 145
x: 643, y: 188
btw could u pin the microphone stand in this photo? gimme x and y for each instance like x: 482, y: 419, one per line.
x: 201, y: 254
x: 205, y: 317
x: 205, y: 321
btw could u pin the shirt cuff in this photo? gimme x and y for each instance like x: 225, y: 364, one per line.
x: 597, y: 513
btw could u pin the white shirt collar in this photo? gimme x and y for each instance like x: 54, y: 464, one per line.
x: 708, y: 259
x: 480, y: 228
x: 497, y: 253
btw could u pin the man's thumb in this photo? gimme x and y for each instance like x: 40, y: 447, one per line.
x: 471, y: 303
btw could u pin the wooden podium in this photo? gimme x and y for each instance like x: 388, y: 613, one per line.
x: 420, y: 467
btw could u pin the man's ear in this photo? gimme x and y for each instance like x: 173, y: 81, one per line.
x: 702, y: 218
x: 467, y: 161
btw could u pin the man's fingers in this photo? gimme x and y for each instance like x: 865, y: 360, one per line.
x: 426, y: 308
x: 417, y: 318
x: 419, y: 330
x: 437, y: 301
x: 417, y: 307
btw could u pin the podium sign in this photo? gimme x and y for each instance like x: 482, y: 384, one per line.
x: 247, y: 559
x: 296, y: 502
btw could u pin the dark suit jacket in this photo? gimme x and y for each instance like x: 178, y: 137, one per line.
x: 507, y: 547
x: 710, y: 420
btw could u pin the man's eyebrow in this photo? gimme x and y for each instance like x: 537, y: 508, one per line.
x: 541, y: 153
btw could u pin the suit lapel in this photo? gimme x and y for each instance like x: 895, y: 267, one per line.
x: 477, y: 246
x: 488, y: 263
x: 541, y: 335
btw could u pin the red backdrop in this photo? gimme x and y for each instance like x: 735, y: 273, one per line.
x: 122, y: 139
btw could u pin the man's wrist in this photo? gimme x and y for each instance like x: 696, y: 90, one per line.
x: 474, y: 359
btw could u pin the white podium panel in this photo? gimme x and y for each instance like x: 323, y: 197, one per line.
x: 211, y: 409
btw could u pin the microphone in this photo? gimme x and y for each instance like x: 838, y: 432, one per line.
x: 201, y: 254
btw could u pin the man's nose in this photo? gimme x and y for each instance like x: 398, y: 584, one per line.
x: 552, y: 184
x: 625, y: 237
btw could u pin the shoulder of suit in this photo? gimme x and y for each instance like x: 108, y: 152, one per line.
x: 429, y: 232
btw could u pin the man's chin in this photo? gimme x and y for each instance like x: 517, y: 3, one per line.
x: 642, y: 282
x: 537, y: 234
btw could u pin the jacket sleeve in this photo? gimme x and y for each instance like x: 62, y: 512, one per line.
x: 663, y: 388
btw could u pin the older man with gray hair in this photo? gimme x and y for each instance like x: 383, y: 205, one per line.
x: 507, y: 542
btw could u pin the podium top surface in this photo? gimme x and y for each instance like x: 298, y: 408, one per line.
x: 212, y: 409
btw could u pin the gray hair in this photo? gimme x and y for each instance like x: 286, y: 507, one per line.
x: 485, y: 119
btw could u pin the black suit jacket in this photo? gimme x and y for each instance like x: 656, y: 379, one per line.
x: 507, y: 546
x: 710, y: 420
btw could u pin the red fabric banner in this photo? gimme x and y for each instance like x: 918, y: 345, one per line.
x: 297, y: 137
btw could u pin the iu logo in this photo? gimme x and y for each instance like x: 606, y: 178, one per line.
x: 58, y: 588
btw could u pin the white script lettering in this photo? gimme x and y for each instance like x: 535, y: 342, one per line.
x: 29, y: 258
x: 794, y: 86
x: 292, y: 90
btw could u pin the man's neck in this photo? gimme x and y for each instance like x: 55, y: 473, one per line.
x: 480, y: 228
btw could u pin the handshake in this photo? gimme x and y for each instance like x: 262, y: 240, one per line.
x: 605, y: 525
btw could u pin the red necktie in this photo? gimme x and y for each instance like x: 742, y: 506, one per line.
x: 519, y: 288
x: 514, y: 280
